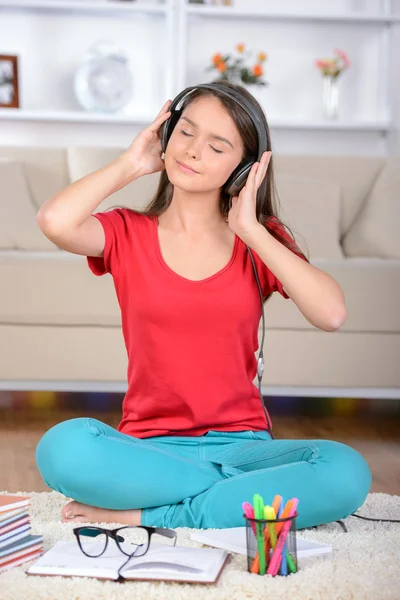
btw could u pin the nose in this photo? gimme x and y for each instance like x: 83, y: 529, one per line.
x: 193, y: 149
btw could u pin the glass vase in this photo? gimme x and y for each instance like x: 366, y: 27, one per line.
x: 330, y: 97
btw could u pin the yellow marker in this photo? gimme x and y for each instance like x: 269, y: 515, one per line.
x: 269, y: 513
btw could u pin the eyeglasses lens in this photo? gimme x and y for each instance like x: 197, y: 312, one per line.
x: 92, y: 541
x: 133, y: 540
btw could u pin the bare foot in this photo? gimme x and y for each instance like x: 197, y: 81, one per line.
x: 76, y: 512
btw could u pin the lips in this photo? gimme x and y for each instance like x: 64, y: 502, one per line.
x: 186, y: 168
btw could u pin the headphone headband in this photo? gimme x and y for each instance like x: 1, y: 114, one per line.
x: 176, y: 105
x: 239, y: 176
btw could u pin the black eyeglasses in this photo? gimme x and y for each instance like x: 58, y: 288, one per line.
x: 132, y: 540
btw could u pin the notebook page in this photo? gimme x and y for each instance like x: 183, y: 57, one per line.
x: 177, y: 563
x: 175, y: 557
x: 66, y: 558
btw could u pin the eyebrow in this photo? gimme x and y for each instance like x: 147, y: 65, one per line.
x: 217, y: 137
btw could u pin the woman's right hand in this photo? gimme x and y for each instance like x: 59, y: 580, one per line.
x: 145, y: 151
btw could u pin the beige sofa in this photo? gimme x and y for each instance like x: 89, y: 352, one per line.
x: 60, y: 325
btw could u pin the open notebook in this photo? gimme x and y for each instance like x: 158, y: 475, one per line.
x: 169, y: 563
x: 234, y: 539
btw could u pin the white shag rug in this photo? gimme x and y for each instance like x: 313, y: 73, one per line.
x: 364, y: 564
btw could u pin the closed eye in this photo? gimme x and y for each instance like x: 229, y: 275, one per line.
x: 189, y: 135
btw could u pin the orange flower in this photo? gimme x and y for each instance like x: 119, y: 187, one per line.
x: 240, y: 48
x: 262, y: 56
x: 221, y: 66
x: 257, y: 70
x: 217, y: 58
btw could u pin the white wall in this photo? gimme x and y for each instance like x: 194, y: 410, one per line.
x: 50, y: 46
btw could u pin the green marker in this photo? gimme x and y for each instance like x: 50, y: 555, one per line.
x: 291, y: 563
x: 259, y: 514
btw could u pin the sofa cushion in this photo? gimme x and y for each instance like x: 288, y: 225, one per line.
x: 136, y: 194
x: 308, y: 358
x: 45, y: 169
x: 95, y: 358
x: 355, y: 174
x: 311, y: 209
x: 364, y: 281
x: 62, y: 291
x: 376, y: 230
x: 18, y: 226
x: 54, y: 288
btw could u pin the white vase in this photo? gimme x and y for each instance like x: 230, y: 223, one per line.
x: 330, y: 97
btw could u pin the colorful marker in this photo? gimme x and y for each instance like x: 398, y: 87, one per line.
x: 283, y: 570
x: 259, y: 514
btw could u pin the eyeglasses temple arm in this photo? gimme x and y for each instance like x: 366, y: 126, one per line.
x: 166, y: 532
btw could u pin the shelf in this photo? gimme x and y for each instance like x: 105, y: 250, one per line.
x: 120, y: 7
x: 76, y: 116
x: 108, y: 7
x: 378, y: 126
x: 234, y: 13
x: 144, y: 118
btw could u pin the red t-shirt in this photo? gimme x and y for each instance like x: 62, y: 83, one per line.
x: 191, y: 344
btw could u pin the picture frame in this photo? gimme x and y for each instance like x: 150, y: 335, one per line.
x: 9, y: 87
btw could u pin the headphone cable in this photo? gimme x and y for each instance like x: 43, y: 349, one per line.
x: 260, y: 371
x: 371, y: 519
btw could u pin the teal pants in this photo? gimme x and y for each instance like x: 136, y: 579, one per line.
x: 201, y: 481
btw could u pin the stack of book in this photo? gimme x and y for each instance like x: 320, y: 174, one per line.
x: 17, y: 544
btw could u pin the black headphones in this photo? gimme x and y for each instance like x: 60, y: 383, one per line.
x: 238, y: 178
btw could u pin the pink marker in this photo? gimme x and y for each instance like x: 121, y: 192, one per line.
x: 277, y: 553
x: 249, y: 512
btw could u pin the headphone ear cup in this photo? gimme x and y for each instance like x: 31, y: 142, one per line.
x: 167, y: 128
x: 238, y: 178
x: 163, y: 135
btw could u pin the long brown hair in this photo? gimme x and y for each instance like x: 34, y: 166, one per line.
x: 267, y: 196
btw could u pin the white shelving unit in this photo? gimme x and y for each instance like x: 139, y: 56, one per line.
x: 109, y: 7
x: 178, y: 15
x: 16, y: 114
x: 74, y: 116
x: 230, y: 12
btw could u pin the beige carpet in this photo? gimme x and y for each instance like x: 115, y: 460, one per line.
x: 364, y: 564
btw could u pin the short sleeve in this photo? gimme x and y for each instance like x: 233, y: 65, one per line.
x: 272, y: 283
x: 118, y: 229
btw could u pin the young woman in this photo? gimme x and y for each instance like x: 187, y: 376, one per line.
x: 193, y: 442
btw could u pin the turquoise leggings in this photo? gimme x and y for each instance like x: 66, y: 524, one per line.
x: 201, y: 481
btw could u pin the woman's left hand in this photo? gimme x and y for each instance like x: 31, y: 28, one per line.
x: 242, y: 218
